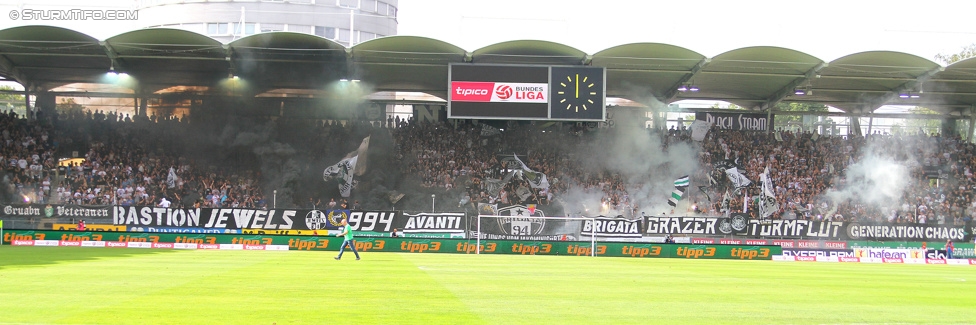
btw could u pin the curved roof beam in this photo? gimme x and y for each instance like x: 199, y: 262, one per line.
x: 529, y: 52
x: 673, y: 92
x: 13, y: 70
x: 790, y: 88
x: 913, y: 85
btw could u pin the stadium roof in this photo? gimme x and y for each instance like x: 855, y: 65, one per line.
x: 44, y: 57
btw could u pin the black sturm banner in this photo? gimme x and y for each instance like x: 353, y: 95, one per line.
x: 55, y: 211
x: 298, y: 219
x: 835, y: 230
x: 449, y: 222
x: 908, y: 232
x: 736, y: 224
x: 796, y: 229
x: 737, y: 121
x: 31, y: 216
x: 606, y: 227
x: 518, y: 222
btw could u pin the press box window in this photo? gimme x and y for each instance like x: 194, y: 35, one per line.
x: 327, y: 32
x: 217, y: 28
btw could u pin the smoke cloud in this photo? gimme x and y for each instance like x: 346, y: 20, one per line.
x: 639, y: 158
x: 882, y: 175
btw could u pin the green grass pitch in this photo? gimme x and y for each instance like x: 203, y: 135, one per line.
x: 69, y: 285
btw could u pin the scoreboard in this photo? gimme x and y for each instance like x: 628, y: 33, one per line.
x: 517, y: 92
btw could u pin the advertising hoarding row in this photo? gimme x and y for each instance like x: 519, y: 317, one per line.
x: 411, y: 245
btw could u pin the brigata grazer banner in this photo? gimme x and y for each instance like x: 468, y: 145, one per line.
x: 612, y: 228
x: 736, y: 224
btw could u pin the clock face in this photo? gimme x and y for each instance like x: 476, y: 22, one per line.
x: 577, y: 93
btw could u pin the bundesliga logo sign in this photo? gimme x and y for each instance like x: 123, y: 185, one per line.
x: 499, y: 92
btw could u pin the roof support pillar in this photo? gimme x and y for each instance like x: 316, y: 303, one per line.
x: 912, y: 85
x: 112, y: 56
x: 672, y: 93
x: 15, y: 72
x: 972, y: 124
x: 790, y: 88
x: 27, y: 104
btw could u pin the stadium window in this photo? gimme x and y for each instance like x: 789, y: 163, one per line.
x: 348, y: 3
x: 272, y: 27
x: 197, y: 27
x: 368, y: 5
x: 248, y: 29
x: 217, y: 28
x: 327, y: 32
x: 343, y: 35
x: 304, y: 29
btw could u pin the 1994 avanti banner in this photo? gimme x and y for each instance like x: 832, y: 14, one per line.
x: 288, y: 219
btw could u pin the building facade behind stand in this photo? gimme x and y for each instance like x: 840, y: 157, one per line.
x: 348, y: 22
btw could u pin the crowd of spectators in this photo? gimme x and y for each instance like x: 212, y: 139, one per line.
x: 145, y: 161
x: 874, y: 178
x: 809, y: 172
x: 125, y: 162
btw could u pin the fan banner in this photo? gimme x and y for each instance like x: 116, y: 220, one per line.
x: 516, y: 222
x: 736, y: 224
x: 612, y: 228
x: 737, y: 121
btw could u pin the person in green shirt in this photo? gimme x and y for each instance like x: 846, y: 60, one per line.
x: 349, y: 240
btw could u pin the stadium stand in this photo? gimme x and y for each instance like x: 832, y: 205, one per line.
x: 128, y: 162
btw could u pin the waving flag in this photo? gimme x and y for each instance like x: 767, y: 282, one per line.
x: 353, y: 164
x: 535, y: 179
x: 767, y: 199
x: 680, y: 186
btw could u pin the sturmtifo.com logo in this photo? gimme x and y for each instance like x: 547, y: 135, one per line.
x: 73, y: 14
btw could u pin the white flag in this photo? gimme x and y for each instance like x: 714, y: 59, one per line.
x: 699, y: 129
x: 726, y: 200
x: 738, y: 180
x: 171, y: 178
x: 767, y: 199
x: 535, y: 179
x: 347, y: 167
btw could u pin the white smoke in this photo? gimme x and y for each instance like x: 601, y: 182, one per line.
x: 638, y: 157
x: 879, y: 178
